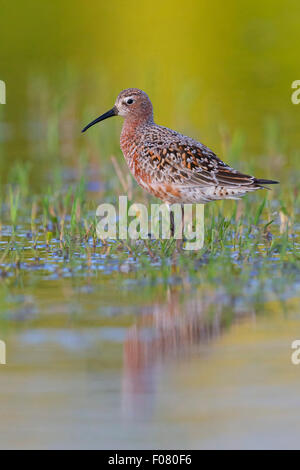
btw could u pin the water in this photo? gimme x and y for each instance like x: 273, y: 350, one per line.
x: 163, y: 375
x: 105, y: 359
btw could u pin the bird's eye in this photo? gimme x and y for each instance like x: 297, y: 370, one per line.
x: 129, y: 101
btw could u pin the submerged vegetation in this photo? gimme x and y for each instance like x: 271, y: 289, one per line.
x: 252, y: 247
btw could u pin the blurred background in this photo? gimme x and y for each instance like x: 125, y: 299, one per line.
x: 116, y: 346
x: 205, y: 67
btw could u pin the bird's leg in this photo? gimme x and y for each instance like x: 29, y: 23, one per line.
x: 179, y: 241
x: 172, y: 224
x: 182, y: 221
x: 172, y: 220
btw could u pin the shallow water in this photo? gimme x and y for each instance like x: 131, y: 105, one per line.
x: 99, y: 361
x: 169, y: 379
x: 109, y: 347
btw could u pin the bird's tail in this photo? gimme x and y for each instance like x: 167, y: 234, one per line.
x: 261, y: 182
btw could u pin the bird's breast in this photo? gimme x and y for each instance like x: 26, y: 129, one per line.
x: 132, y: 147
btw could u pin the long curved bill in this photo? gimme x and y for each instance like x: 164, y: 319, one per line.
x: 110, y: 113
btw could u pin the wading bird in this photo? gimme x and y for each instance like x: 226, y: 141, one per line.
x: 171, y: 166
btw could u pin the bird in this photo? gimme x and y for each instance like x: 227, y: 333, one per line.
x: 171, y: 166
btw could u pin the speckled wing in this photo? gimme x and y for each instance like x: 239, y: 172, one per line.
x: 196, y: 165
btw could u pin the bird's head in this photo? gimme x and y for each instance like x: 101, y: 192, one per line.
x: 132, y: 104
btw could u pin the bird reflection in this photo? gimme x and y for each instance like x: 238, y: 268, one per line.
x: 162, y: 333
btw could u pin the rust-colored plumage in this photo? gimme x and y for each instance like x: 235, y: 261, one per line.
x: 169, y: 165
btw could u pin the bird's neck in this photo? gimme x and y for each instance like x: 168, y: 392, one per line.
x: 133, y: 124
x: 131, y: 137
